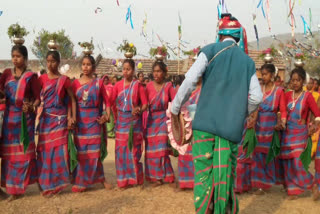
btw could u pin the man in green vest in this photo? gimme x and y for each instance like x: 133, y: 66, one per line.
x: 230, y: 93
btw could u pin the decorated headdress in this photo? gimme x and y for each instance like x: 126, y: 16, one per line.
x: 230, y: 26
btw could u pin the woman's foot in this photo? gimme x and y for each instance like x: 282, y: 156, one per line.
x: 39, y: 187
x: 3, y: 195
x: 47, y: 195
x: 156, y: 184
x: 292, y: 197
x: 77, y: 189
x: 107, y: 186
x: 14, y: 197
x: 315, y: 193
x: 173, y: 185
x: 260, y: 192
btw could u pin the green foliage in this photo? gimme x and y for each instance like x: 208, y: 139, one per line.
x: 127, y: 47
x: 40, y: 49
x: 192, y: 52
x: 272, y: 51
x: 88, y: 45
x: 15, y: 30
x: 162, y: 50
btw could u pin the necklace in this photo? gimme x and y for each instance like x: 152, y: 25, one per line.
x: 264, y: 91
x: 126, y: 94
x: 295, y: 100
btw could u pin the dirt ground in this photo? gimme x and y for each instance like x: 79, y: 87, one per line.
x: 163, y: 199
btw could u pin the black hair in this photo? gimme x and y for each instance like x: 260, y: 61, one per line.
x: 81, y: 75
x: 130, y: 62
x: 95, y: 75
x: 178, y: 79
x: 278, y: 78
x: 91, y: 59
x: 106, y: 77
x: 21, y: 49
x: 269, y: 67
x: 55, y: 55
x: 43, y: 71
x: 140, y: 73
x: 163, y: 67
x: 300, y: 71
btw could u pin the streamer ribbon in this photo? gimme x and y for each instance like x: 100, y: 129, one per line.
x: 144, y: 26
x: 129, y: 17
x: 179, y: 27
x: 222, y: 8
x: 291, y: 6
x: 254, y: 16
x: 268, y: 15
x: 305, y: 26
x: 261, y: 5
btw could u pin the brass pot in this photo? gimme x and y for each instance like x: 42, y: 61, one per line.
x: 299, y: 63
x: 52, y: 45
x: 159, y: 57
x: 18, y: 40
x: 128, y: 55
x: 268, y: 58
x: 87, y: 51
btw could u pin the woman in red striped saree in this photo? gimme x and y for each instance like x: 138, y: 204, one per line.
x: 21, y: 88
x: 90, y: 133
x: 131, y: 101
x: 296, y: 178
x: 158, y: 166
x: 52, y: 162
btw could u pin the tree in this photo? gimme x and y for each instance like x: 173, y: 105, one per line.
x: 40, y: 49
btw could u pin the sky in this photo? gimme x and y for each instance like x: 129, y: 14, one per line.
x: 108, y: 28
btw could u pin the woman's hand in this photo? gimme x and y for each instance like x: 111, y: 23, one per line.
x: 27, y: 107
x: 252, y: 120
x: 136, y: 111
x: 103, y: 119
x: 312, y: 128
x: 71, y: 123
x: 251, y: 123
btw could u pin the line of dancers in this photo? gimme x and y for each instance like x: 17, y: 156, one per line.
x: 297, y: 120
x: 83, y: 107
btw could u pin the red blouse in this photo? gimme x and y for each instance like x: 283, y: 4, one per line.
x: 118, y: 88
x: 44, y: 79
x: 152, y: 92
x: 76, y: 84
x: 311, y: 105
x: 281, y: 102
x: 32, y: 88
